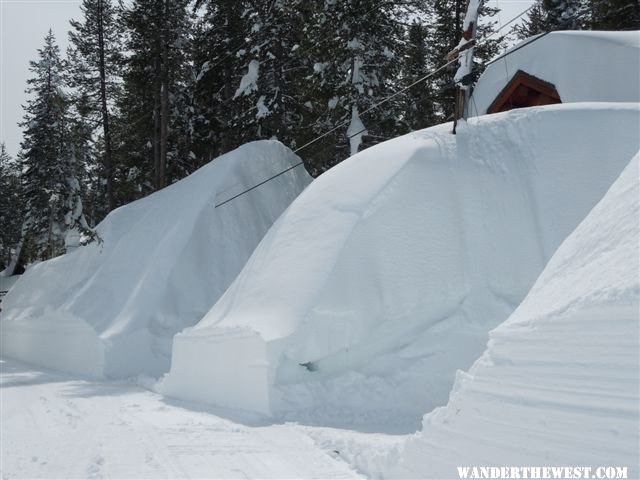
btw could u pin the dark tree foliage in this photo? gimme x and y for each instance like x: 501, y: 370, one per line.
x: 419, y: 107
x: 50, y: 167
x: 94, y: 61
x: 550, y: 15
x: 219, y: 33
x: 354, y: 51
x: 10, y: 207
x: 613, y: 14
x: 154, y: 111
x: 153, y: 89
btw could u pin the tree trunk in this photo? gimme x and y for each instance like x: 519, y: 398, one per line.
x: 108, y: 158
x: 157, y: 85
x: 164, y: 103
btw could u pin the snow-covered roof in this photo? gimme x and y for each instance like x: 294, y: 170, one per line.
x: 385, y: 275
x: 584, y: 66
x: 112, y: 308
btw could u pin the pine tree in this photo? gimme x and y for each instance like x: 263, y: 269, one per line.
x: 88, y: 158
x: 220, y: 40
x: 94, y: 63
x: 551, y: 15
x: 533, y: 24
x: 614, y: 14
x: 154, y: 124
x: 354, y: 48
x: 419, y: 104
x: 266, y: 98
x: 51, y: 188
x: 10, y: 207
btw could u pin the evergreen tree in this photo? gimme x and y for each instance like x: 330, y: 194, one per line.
x: 266, y: 99
x: 10, y: 207
x: 154, y: 123
x: 94, y: 62
x: 88, y: 158
x: 355, y: 50
x: 419, y: 105
x: 248, y: 72
x: 221, y: 39
x: 51, y: 188
x: 534, y: 24
x: 550, y: 15
x: 614, y: 14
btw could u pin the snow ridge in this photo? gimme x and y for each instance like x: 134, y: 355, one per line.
x: 113, y: 308
x: 559, y: 381
x: 403, y: 271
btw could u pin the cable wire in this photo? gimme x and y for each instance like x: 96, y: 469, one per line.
x: 382, y: 102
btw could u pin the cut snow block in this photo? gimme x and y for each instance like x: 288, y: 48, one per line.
x: 384, y: 277
x: 112, y: 308
x: 559, y: 382
x: 234, y: 359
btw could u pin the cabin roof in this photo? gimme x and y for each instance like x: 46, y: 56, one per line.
x: 582, y: 66
x: 524, y: 90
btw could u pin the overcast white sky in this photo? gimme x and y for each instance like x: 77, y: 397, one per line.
x: 23, y: 25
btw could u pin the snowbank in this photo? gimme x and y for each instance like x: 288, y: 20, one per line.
x: 113, y: 308
x: 384, y: 277
x: 559, y: 381
x: 567, y: 60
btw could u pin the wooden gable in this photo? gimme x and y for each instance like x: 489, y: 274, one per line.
x: 524, y: 90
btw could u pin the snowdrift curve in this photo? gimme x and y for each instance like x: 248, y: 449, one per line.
x: 112, y: 308
x: 559, y: 382
x: 384, y: 277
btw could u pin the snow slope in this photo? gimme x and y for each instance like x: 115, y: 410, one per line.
x: 113, y: 308
x: 567, y: 60
x: 384, y: 277
x: 559, y: 381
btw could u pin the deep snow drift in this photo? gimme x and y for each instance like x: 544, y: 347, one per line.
x: 559, y: 381
x: 113, y: 308
x: 584, y: 66
x: 384, y: 277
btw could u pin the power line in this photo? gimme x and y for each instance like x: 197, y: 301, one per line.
x: 442, y: 67
x: 240, y: 46
x: 259, y: 184
x: 506, y: 54
x: 376, y: 105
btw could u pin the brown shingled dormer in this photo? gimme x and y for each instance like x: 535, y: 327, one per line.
x: 524, y: 90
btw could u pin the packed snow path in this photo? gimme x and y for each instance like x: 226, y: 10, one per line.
x: 55, y: 426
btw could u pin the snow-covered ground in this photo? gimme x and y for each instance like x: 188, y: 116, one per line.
x: 56, y: 426
x: 112, y: 308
